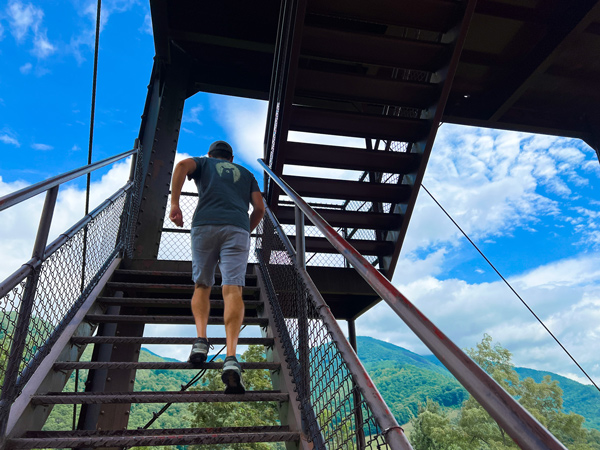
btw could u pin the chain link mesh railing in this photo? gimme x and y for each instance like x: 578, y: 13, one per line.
x: 335, y: 413
x: 9, y: 316
x: 175, y: 242
x: 129, y: 225
x: 61, y: 288
x: 40, y: 299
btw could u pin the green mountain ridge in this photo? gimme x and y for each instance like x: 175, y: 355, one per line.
x: 433, y: 380
x: 403, y: 378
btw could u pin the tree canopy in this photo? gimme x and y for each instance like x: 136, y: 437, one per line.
x: 473, y: 428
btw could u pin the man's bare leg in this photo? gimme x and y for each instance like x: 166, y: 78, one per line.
x: 201, y: 308
x: 233, y: 316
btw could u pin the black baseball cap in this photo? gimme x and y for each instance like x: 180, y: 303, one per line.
x: 220, y: 145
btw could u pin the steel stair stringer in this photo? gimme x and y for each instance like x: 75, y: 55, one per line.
x: 443, y: 77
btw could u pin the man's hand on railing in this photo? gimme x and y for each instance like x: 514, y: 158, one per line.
x: 176, y: 216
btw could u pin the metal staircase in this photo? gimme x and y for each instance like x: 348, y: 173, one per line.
x: 381, y: 74
x: 380, y: 71
x: 131, y: 299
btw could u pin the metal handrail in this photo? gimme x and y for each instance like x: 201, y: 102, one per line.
x: 26, y: 269
x: 520, y: 425
x: 31, y: 191
x: 31, y: 272
x: 394, y: 434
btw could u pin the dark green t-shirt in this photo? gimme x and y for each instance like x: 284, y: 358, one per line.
x: 224, y: 192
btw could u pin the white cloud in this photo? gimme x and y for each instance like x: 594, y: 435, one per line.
x: 42, y: 48
x: 493, y: 182
x: 7, y: 139
x: 42, y: 147
x: 26, y: 19
x: 87, y: 35
x: 464, y: 312
x: 23, y: 18
x: 25, y: 68
x: 18, y: 224
x: 191, y: 116
x: 147, y: 27
x: 244, y: 120
x: 570, y: 272
x: 1, y: 32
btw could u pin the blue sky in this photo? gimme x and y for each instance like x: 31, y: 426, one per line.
x: 531, y: 202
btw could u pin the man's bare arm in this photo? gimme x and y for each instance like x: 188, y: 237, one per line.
x: 259, y: 209
x: 182, y: 169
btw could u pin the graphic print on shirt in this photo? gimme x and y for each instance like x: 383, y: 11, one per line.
x: 228, y: 171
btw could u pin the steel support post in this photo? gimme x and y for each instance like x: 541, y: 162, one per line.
x: 116, y: 416
x: 300, y: 240
x: 159, y: 135
x: 10, y: 390
x: 303, y: 344
x: 96, y: 380
x: 358, y: 415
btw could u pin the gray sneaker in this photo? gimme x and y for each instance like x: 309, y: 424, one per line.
x: 199, y: 351
x: 232, y: 376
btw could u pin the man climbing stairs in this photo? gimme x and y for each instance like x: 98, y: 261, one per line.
x: 134, y: 297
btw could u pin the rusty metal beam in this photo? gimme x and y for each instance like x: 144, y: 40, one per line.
x: 84, y: 340
x: 347, y: 219
x: 371, y: 49
x: 348, y: 190
x: 159, y: 141
x: 187, y: 319
x: 567, y: 23
x: 373, y: 248
x: 434, y: 15
x: 104, y: 398
x: 157, y: 365
x: 362, y: 88
x: 391, y: 128
x: 349, y: 158
x: 157, y: 438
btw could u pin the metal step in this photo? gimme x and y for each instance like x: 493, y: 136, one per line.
x: 391, y: 128
x: 346, y: 219
x: 357, y: 88
x: 80, y: 398
x: 156, y: 274
x: 348, y: 190
x: 136, y: 438
x: 175, y: 289
x: 189, y: 319
x: 433, y: 15
x: 349, y: 158
x: 84, y: 340
x: 159, y: 365
x: 371, y: 248
x: 168, y: 302
x: 374, y: 49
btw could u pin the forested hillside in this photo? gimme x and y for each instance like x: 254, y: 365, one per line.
x: 391, y: 368
x: 404, y: 379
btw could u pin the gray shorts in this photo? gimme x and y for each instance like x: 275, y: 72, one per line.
x: 226, y: 245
